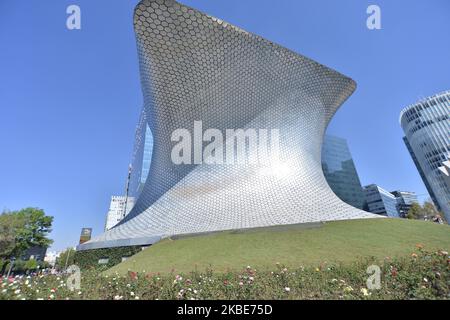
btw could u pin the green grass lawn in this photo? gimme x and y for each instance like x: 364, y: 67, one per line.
x: 340, y: 241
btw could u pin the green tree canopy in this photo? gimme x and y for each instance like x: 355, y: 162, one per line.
x: 415, y: 212
x: 66, y: 258
x: 426, y: 212
x: 429, y: 209
x: 9, y: 224
x: 23, y: 229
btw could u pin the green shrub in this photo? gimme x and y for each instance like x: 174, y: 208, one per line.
x: 31, y: 265
x: 89, y: 259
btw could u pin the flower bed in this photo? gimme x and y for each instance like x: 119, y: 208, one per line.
x: 422, y: 275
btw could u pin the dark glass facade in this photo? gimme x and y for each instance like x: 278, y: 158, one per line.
x: 142, y: 157
x: 405, y: 200
x: 340, y: 171
x: 380, y: 201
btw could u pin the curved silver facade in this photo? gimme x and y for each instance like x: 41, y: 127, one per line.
x: 198, y: 68
x: 427, y: 135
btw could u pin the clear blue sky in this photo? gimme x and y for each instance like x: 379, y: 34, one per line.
x: 70, y: 100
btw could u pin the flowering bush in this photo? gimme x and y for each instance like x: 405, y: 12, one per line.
x: 422, y: 275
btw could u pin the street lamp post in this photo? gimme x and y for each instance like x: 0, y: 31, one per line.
x: 11, y: 262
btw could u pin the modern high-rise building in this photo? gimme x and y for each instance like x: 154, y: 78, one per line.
x: 380, y: 201
x: 340, y: 172
x: 119, y: 207
x: 427, y: 136
x: 405, y: 199
x: 197, y: 70
x: 138, y: 173
x: 445, y: 169
x: 142, y: 156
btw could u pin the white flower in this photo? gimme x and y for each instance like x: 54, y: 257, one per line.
x: 17, y: 291
x: 40, y: 298
x: 79, y: 292
x: 132, y: 293
x: 425, y: 279
x: 365, y: 292
x: 4, y: 290
x: 348, y: 289
x: 287, y: 289
x: 136, y: 298
x: 118, y: 297
x: 51, y: 296
x: 251, y: 278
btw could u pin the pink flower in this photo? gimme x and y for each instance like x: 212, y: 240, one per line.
x: 394, y: 272
x: 133, y: 275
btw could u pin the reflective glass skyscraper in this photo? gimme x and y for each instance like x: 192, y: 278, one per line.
x: 142, y: 156
x: 427, y: 136
x: 340, y: 172
x: 380, y: 201
x: 405, y: 200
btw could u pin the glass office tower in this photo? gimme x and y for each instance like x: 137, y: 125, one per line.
x: 405, y: 200
x: 340, y: 171
x: 380, y: 201
x: 427, y: 136
x: 142, y: 157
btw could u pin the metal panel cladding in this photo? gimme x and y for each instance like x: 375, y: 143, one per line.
x: 195, y: 67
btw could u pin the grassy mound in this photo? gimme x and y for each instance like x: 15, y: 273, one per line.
x: 333, y: 242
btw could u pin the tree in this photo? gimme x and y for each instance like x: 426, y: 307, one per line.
x: 21, y: 230
x: 415, y: 212
x: 66, y: 258
x: 35, y: 230
x: 429, y: 210
x: 31, y: 265
x: 10, y: 223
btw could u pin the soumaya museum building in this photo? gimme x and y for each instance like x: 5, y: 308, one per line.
x: 427, y: 136
x: 197, y: 68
